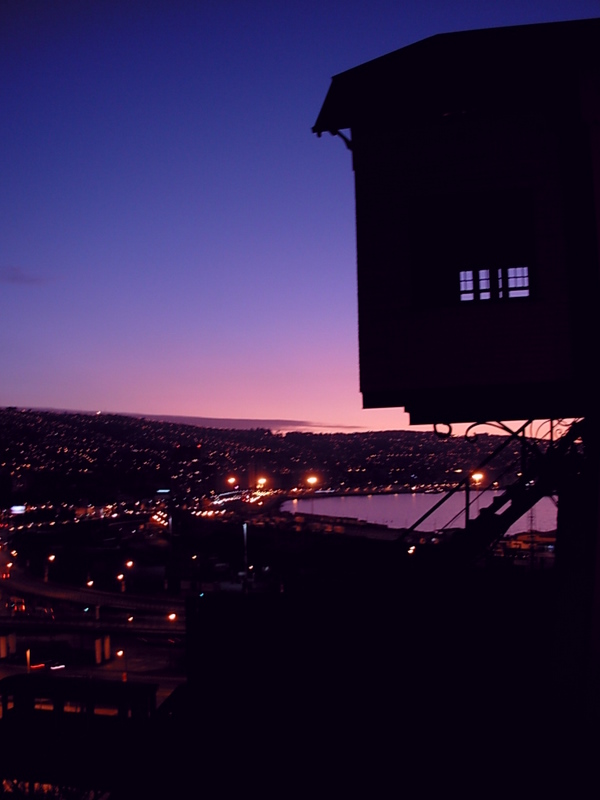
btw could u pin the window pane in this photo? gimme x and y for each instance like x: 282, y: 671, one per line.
x: 466, y: 280
x: 518, y: 281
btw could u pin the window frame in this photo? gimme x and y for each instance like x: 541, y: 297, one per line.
x: 483, y: 284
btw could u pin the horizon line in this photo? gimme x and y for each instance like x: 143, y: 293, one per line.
x: 224, y: 423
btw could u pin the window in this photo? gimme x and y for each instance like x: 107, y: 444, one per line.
x: 518, y: 281
x: 466, y: 285
x: 484, y: 284
x: 106, y: 711
x: 501, y: 284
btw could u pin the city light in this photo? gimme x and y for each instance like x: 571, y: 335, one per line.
x: 123, y: 654
x: 477, y: 477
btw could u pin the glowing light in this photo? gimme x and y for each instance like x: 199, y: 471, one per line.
x: 477, y: 477
x: 172, y: 617
x: 312, y: 480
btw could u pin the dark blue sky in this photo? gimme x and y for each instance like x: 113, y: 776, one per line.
x: 174, y: 240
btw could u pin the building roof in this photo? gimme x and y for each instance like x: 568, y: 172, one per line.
x: 442, y: 75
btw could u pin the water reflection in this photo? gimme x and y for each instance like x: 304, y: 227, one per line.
x: 404, y: 509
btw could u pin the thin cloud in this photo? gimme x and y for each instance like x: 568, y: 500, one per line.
x: 275, y: 425
x: 19, y: 276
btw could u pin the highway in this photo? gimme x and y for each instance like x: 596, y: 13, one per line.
x: 150, y: 643
x: 20, y: 581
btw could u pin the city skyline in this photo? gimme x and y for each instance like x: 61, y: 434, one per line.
x: 176, y: 241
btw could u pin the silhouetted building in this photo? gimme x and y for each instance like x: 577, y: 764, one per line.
x: 477, y: 169
x: 58, y: 733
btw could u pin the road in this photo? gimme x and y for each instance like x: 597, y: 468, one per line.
x: 21, y: 581
x: 151, y: 643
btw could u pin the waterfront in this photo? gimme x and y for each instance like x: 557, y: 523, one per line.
x: 401, y: 510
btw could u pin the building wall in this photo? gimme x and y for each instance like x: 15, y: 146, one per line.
x: 482, y: 190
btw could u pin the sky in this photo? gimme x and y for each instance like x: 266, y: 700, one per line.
x: 174, y: 240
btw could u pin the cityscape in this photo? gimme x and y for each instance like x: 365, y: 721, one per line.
x: 299, y: 447
x: 51, y: 457
x: 138, y: 556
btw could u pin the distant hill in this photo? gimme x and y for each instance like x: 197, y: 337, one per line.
x: 97, y: 457
x: 275, y: 425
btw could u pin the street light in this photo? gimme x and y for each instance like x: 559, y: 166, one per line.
x: 312, y: 481
x: 51, y: 559
x: 123, y: 654
x: 477, y: 477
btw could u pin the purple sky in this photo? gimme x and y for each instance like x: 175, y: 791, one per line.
x: 174, y: 239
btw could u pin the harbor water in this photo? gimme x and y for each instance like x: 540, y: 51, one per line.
x: 403, y: 509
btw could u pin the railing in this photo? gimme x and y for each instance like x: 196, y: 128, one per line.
x: 539, y: 479
x: 465, y: 481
